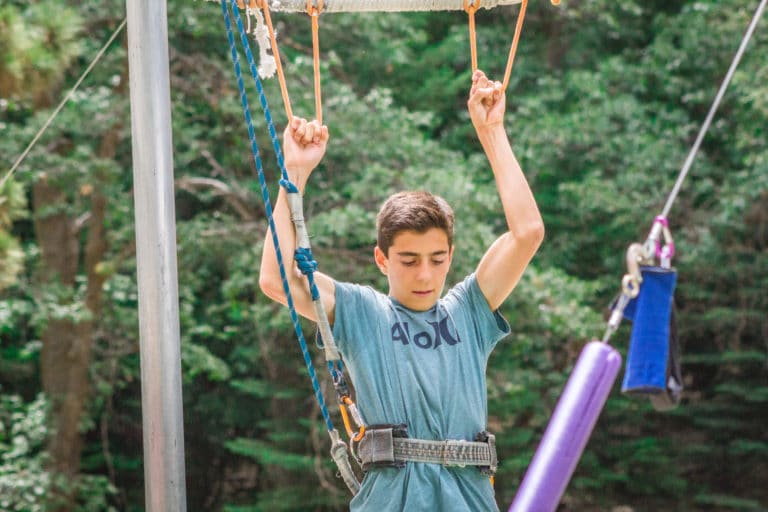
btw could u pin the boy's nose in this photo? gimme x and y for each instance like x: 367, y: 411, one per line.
x: 424, y: 273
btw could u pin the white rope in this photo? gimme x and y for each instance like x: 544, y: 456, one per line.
x: 267, y: 65
x: 61, y: 105
x: 382, y: 5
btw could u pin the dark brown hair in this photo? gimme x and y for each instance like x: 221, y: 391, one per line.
x: 412, y: 211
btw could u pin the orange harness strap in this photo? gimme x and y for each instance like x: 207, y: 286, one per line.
x: 471, y: 6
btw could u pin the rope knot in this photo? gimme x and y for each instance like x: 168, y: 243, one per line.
x: 305, y: 260
x: 289, y: 186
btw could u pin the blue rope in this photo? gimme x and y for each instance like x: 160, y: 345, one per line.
x: 307, y: 264
x: 285, y: 182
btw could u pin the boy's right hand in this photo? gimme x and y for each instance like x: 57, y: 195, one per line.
x: 486, y: 102
x: 304, y: 145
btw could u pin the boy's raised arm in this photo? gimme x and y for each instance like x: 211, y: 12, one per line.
x: 503, y: 264
x: 304, y: 145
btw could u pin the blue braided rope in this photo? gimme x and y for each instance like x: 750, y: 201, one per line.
x: 308, y: 266
x: 263, y: 184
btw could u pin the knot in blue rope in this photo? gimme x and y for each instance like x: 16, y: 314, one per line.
x: 305, y: 260
x: 289, y: 186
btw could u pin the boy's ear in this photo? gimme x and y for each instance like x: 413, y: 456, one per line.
x: 381, y: 259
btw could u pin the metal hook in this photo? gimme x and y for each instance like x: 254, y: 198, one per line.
x: 653, y: 247
x: 630, y: 283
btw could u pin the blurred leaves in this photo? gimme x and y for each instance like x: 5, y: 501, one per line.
x: 604, y: 102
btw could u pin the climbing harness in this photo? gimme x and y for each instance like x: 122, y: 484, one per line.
x: 390, y: 446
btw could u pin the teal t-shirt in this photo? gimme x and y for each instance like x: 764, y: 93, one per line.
x: 425, y: 369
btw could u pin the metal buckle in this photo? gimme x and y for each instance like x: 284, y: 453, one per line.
x: 490, y: 439
x: 376, y: 448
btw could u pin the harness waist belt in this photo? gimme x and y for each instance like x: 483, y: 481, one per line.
x: 388, y: 446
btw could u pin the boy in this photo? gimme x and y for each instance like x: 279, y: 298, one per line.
x: 417, y: 359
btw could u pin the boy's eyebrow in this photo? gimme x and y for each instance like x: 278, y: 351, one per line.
x: 409, y: 254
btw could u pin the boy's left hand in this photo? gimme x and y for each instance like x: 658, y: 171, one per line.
x: 486, y: 103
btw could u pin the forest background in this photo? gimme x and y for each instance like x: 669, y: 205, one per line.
x: 604, y: 103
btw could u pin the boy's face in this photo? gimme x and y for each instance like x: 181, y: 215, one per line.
x: 416, y: 267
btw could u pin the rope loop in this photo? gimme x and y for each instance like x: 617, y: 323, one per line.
x: 314, y: 10
x: 289, y: 186
x: 471, y: 6
x: 305, y: 260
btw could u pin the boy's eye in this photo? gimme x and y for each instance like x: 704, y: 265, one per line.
x: 438, y: 262
x: 409, y: 263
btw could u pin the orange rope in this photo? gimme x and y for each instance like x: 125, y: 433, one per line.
x: 471, y: 8
x: 513, y: 49
x: 264, y: 4
x: 314, y: 13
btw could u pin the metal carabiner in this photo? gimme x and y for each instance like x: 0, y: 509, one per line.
x: 653, y: 245
x: 630, y: 283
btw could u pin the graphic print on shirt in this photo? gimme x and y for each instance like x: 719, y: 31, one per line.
x: 425, y: 339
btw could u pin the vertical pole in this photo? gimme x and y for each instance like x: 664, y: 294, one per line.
x: 163, y: 433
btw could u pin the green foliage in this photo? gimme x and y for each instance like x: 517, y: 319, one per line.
x: 12, y: 208
x: 604, y: 102
x: 36, y: 48
x: 24, y: 481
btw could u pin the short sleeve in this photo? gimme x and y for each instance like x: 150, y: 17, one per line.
x: 355, y: 307
x: 490, y: 326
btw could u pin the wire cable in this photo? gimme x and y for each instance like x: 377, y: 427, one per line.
x: 63, y: 102
x: 715, y: 104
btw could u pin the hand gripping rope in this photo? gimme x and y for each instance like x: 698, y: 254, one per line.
x: 304, y: 259
x: 471, y: 7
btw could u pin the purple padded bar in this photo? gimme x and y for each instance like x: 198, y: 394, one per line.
x: 569, y: 429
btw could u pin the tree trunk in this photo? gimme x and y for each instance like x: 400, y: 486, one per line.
x: 67, y: 342
x: 63, y: 360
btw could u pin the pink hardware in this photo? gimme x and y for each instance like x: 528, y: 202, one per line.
x: 668, y: 251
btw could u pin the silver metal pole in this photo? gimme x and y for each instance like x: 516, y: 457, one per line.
x: 164, y: 474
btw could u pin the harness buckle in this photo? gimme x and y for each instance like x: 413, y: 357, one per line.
x: 490, y: 439
x: 377, y: 448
